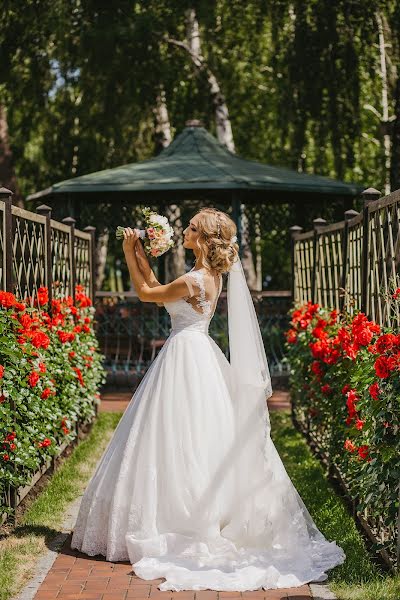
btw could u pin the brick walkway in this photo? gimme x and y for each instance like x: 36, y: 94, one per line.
x: 75, y: 576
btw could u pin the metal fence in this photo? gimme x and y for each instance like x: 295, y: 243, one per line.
x: 353, y: 264
x: 37, y: 251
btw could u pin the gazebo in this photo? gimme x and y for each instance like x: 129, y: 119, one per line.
x: 195, y: 169
x: 197, y: 166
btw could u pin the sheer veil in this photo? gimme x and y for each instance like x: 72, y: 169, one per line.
x: 249, y: 363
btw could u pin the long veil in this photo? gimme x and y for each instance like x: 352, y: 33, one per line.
x: 249, y: 363
x: 271, y: 506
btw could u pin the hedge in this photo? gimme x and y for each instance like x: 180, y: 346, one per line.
x: 345, y: 388
x: 50, y: 372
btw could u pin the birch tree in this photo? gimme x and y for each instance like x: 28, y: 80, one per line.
x: 192, y: 45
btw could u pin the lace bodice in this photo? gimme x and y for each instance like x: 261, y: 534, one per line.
x: 195, y: 310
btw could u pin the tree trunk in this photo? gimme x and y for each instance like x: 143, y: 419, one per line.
x: 7, y: 173
x: 101, y: 258
x: 175, y: 258
x: 222, y: 121
x: 385, y: 103
x: 162, y: 129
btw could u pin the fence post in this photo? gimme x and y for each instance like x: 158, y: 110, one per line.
x: 6, y: 195
x: 92, y: 230
x: 319, y: 222
x: 71, y: 222
x: 45, y: 210
x: 349, y: 214
x: 368, y: 196
x: 293, y: 230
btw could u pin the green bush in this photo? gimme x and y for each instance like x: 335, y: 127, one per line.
x: 345, y: 387
x: 50, y: 372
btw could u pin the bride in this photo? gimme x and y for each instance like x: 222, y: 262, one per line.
x: 191, y: 488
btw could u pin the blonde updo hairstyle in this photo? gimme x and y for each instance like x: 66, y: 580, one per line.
x: 217, y: 251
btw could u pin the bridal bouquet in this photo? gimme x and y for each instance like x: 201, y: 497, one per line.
x: 158, y: 230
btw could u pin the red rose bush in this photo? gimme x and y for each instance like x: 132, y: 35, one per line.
x: 50, y: 372
x: 345, y: 389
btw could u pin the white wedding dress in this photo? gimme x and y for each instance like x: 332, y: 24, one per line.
x: 191, y: 487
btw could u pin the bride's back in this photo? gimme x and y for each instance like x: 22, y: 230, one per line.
x: 195, y: 310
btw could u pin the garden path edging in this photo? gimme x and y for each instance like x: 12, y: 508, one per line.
x: 45, y: 563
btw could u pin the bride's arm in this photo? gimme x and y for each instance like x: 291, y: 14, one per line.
x: 145, y: 267
x: 161, y: 293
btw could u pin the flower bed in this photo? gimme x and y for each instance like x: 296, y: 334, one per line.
x: 345, y: 389
x: 50, y: 371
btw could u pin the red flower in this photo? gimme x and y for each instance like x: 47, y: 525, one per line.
x: 71, y: 354
x: 383, y: 366
x: 345, y: 388
x: 33, y: 378
x: 331, y: 357
x: 7, y: 299
x: 318, y: 349
x: 55, y: 306
x: 326, y: 389
x: 363, y: 336
x: 333, y: 317
x: 46, y: 442
x: 79, y: 376
x: 374, y: 390
x: 385, y: 342
x: 317, y: 369
x: 86, y: 329
x: 363, y: 452
x: 65, y: 336
x: 349, y: 446
x: 1, y: 371
x: 351, y: 403
x: 6, y: 457
x: 359, y: 424
x: 11, y: 436
x: 40, y: 340
x: 2, y: 398
x: 87, y: 321
x: 20, y: 306
x: 77, y: 328
x: 46, y: 393
x: 82, y: 300
x: 396, y: 294
x: 42, y: 367
x: 42, y: 296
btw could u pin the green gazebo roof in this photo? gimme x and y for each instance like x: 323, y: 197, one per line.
x: 195, y: 160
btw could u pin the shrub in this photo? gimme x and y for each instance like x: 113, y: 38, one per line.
x: 345, y: 386
x: 50, y: 371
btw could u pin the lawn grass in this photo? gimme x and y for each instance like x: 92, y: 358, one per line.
x: 359, y: 578
x: 41, y: 522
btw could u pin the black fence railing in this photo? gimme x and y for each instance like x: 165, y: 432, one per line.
x: 353, y: 264
x: 131, y: 332
x: 37, y: 251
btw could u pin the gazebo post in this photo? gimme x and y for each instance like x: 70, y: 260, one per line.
x: 236, y: 214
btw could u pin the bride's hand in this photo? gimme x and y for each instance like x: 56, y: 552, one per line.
x: 131, y: 236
